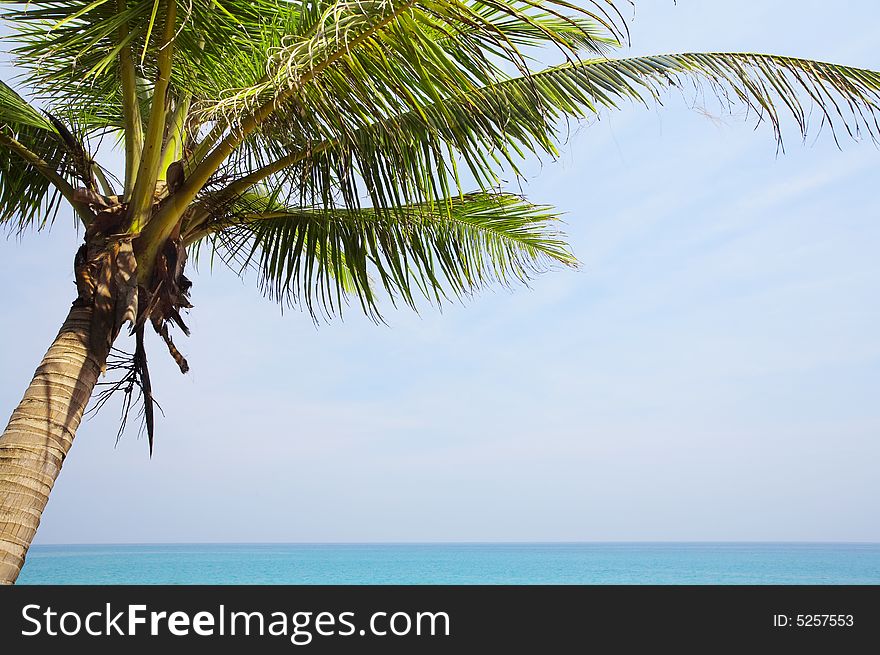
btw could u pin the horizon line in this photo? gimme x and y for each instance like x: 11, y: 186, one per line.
x: 465, y: 543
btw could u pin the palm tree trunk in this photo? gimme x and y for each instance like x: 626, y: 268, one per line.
x: 39, y: 434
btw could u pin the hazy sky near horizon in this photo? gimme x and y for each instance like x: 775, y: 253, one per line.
x: 710, y: 373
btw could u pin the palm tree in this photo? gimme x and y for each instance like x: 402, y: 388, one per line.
x: 343, y: 149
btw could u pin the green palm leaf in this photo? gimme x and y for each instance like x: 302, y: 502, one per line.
x: 319, y: 257
x: 409, y: 157
x: 33, y: 164
x: 773, y: 86
x: 446, y: 38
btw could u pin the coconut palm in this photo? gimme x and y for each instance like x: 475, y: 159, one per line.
x: 345, y: 150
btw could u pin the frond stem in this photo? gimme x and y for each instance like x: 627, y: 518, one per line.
x: 131, y: 111
x: 145, y: 186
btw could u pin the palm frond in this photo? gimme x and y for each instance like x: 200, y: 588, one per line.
x: 362, y: 61
x: 441, y: 43
x: 320, y: 258
x: 413, y: 156
x: 17, y: 113
x: 34, y: 164
x: 841, y: 97
x: 68, y: 51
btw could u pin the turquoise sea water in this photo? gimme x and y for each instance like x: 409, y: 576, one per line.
x: 594, y: 563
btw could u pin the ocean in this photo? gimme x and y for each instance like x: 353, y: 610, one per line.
x: 527, y: 563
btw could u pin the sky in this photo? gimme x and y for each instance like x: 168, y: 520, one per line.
x: 709, y: 373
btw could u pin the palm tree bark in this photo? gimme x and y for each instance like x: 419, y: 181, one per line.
x: 40, y: 433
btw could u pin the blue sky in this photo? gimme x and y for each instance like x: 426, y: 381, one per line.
x: 710, y: 373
